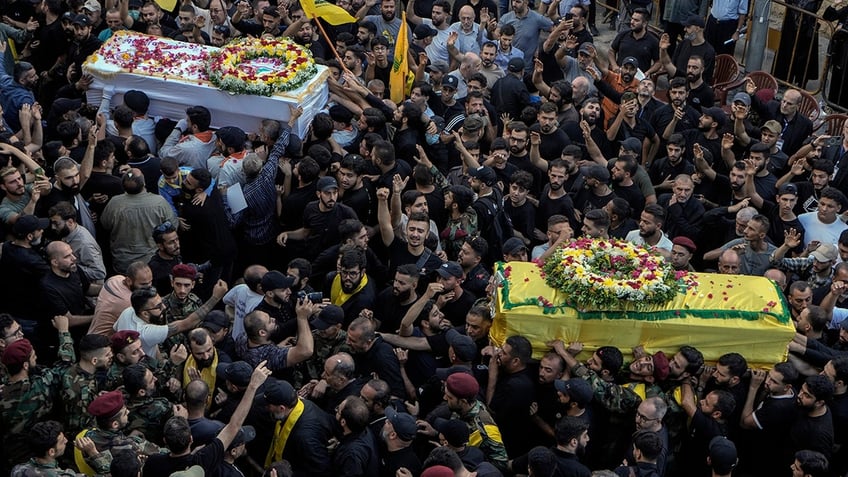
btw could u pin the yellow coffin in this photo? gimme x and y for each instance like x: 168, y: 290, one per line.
x: 721, y: 314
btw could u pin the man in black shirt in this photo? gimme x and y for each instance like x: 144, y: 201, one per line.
x: 509, y: 94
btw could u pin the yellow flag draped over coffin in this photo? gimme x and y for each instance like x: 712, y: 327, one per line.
x: 332, y: 14
x: 721, y: 314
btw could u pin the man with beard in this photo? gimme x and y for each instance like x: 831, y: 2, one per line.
x: 693, y: 45
x: 69, y: 178
x: 623, y: 170
x: 388, y: 24
x: 82, y: 383
x: 181, y: 302
x: 762, y: 180
x: 269, y: 25
x: 663, y: 171
x: 710, y: 417
x: 257, y: 344
x: 372, y: 354
x: 781, y: 212
x: 546, y: 407
x: 202, y: 361
x: 813, y: 426
x: 321, y: 220
x: 510, y: 392
x: 595, y: 192
x: 356, y: 455
x: 684, y: 212
x: 19, y: 198
x: 84, y: 44
x: 613, y: 84
x: 22, y: 266
x: 409, y: 130
x: 470, y: 258
x: 650, y: 232
x: 678, y: 115
x: 553, y: 139
x: 127, y: 350
x: 574, y: 68
x: 769, y: 417
x: 637, y: 43
x: 555, y: 199
x: 64, y: 291
x: 520, y: 156
x: 111, y: 418
x: 528, y: 24
x: 146, y: 412
x: 394, y: 301
x: 115, y: 294
x: 649, y: 419
x: 468, y: 37
x: 412, y: 250
x: 572, y: 436
x: 276, y: 302
x: 351, y: 288
x: 63, y: 222
x: 559, y: 232
x: 509, y: 94
x: 437, y: 50
x: 305, y: 37
x: 17, y: 90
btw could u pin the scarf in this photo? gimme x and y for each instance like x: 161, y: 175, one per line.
x: 79, y: 458
x: 236, y: 156
x: 338, y: 297
x: 204, y: 136
x: 207, y: 375
x: 282, y: 433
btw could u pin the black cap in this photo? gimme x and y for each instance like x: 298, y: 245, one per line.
x: 695, y: 20
x: 454, y: 430
x: 599, y: 172
x: 329, y: 316
x: 630, y: 61
x: 515, y: 65
x: 788, y: 188
x: 27, y: 224
x: 578, y: 390
x: 513, y: 245
x: 327, y: 183
x: 486, y: 175
x: 450, y: 81
x: 423, y: 31
x: 450, y: 269
x: 274, y: 280
x: 403, y: 424
x: 245, y: 435
x: 238, y: 373
x: 216, y: 321
x: 82, y: 19
x: 463, y: 346
x: 280, y: 393
x: 137, y: 100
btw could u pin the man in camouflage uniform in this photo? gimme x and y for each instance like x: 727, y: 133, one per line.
x: 181, y: 302
x: 329, y: 339
x: 127, y: 350
x: 47, y: 443
x: 84, y: 381
x: 95, y: 446
x: 147, y: 413
x: 30, y: 391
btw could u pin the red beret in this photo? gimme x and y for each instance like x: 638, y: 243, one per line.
x: 462, y: 385
x: 438, y: 471
x: 685, y: 242
x: 660, y: 365
x: 17, y: 352
x: 107, y: 405
x: 183, y: 270
x: 122, y: 339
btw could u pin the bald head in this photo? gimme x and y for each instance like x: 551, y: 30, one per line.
x: 253, y: 276
x: 133, y: 181
x: 57, y: 249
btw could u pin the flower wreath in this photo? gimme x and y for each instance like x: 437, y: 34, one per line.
x: 261, y: 66
x: 612, y: 275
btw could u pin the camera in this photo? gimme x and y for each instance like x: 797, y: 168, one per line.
x: 314, y: 297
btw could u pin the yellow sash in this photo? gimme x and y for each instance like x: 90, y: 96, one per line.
x: 207, y: 375
x: 281, y: 434
x: 12, y: 48
x: 492, y: 431
x: 78, y: 457
x: 337, y: 296
x: 637, y: 388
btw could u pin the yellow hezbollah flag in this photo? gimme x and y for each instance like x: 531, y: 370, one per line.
x: 400, y: 67
x: 328, y: 12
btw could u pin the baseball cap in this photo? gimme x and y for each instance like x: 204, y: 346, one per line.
x: 515, y: 65
x: 437, y: 65
x: 825, y: 252
x: 82, y: 20
x: 772, y: 126
x: 216, y: 321
x: 280, y: 393
x: 723, y: 455
x: 473, y: 123
x: 577, y: 389
x: 423, y: 31
x: 630, y: 61
x: 231, y: 136
x: 245, y: 435
x: 27, y: 224
x: 450, y: 81
x: 238, y: 373
x: 485, y: 173
x: 599, y: 172
x: 717, y: 114
x: 329, y: 316
x: 463, y: 346
x: 788, y: 188
x: 450, y: 269
x: 92, y: 6
x: 403, y: 424
x: 454, y: 430
x: 742, y: 98
x: 660, y: 365
x: 695, y: 20
x: 513, y: 245
x: 632, y: 144
x: 586, y: 48
x: 327, y: 183
x: 274, y: 280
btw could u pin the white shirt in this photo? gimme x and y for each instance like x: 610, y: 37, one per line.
x: 243, y: 300
x: 636, y: 239
x: 151, y: 335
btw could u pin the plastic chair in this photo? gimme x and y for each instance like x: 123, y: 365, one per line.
x: 766, y: 85
x: 833, y: 124
x: 809, y: 107
x: 726, y: 72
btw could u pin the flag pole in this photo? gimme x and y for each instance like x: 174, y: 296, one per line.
x: 331, y: 44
